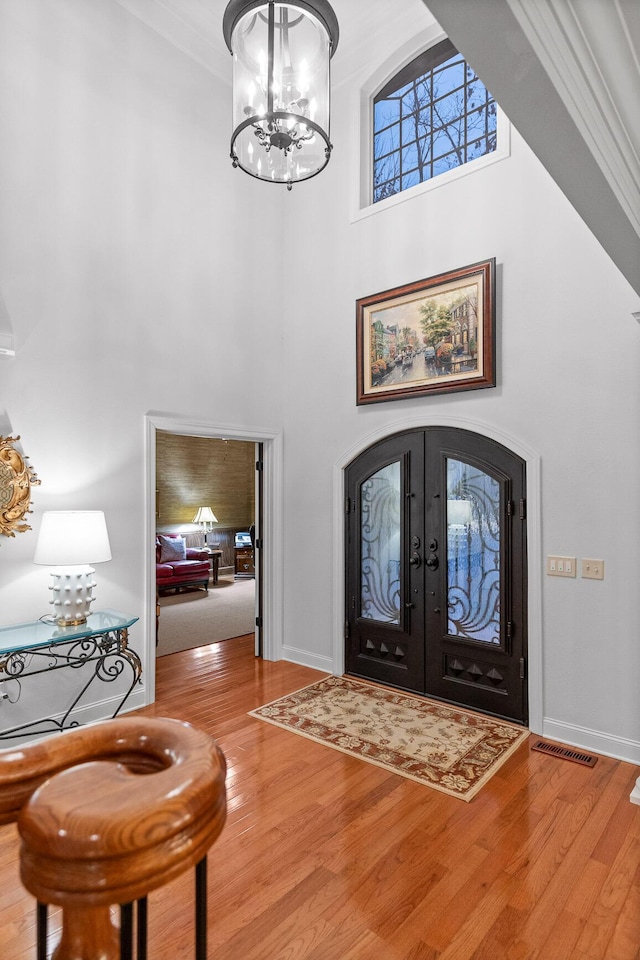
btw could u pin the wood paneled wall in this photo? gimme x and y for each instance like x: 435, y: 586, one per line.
x: 194, y: 472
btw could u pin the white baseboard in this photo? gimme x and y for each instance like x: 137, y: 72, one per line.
x: 90, y: 713
x: 609, y: 746
x: 306, y: 659
x: 635, y: 793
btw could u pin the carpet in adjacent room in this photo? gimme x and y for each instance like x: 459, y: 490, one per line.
x: 194, y: 618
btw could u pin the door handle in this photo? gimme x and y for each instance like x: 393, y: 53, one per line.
x: 432, y: 561
x: 415, y: 560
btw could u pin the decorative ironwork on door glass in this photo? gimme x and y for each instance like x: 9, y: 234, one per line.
x: 380, y: 545
x: 473, y: 553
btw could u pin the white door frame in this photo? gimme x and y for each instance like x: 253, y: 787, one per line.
x: 534, y: 540
x: 272, y: 526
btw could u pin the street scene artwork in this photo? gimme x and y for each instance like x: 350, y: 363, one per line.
x: 432, y: 336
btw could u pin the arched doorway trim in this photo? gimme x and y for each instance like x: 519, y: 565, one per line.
x: 534, y: 565
x: 272, y: 526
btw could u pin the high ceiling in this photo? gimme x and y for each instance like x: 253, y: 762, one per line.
x: 195, y: 26
x: 566, y: 72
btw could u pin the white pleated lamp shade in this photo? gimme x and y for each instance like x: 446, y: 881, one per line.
x: 205, y: 515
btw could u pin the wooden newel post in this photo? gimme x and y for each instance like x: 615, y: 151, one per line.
x: 108, y: 813
x: 87, y: 932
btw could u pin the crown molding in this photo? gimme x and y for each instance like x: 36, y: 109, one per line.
x: 195, y: 28
x: 591, y: 53
x: 191, y: 27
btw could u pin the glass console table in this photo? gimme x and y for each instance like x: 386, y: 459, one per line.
x: 98, y: 650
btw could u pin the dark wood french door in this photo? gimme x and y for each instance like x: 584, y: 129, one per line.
x: 436, y: 569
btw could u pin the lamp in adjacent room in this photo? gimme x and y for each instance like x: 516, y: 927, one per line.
x: 281, y: 86
x: 206, y: 517
x: 70, y: 541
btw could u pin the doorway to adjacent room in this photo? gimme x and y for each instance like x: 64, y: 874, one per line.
x: 268, y: 548
x: 207, y: 493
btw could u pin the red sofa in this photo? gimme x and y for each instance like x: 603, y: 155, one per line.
x: 180, y: 566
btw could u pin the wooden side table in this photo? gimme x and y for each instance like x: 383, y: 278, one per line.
x: 214, y: 557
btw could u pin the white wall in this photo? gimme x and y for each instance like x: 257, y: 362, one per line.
x: 133, y: 272
x: 137, y: 271
x: 567, y: 388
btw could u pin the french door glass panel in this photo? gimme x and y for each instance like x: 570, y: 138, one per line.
x: 473, y: 553
x: 380, y: 518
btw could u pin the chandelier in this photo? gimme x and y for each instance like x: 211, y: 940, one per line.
x: 281, y: 89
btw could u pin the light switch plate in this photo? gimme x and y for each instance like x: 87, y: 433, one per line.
x: 593, y: 569
x: 561, y: 566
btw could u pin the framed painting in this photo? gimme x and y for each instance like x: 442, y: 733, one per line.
x: 429, y: 337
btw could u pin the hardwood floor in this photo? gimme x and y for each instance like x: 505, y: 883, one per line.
x: 325, y: 857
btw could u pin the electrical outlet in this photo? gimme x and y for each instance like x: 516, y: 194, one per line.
x: 561, y: 566
x: 593, y: 569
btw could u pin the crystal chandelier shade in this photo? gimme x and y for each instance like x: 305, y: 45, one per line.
x: 281, y: 87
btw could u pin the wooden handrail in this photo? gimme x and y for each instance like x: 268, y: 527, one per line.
x: 108, y: 813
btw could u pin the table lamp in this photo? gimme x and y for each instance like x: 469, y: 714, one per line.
x: 70, y: 541
x: 207, y: 518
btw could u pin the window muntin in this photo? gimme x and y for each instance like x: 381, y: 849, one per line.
x: 432, y: 116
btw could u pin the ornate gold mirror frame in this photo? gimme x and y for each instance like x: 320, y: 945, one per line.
x: 16, y: 480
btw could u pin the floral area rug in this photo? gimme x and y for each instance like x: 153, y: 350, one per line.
x: 452, y: 750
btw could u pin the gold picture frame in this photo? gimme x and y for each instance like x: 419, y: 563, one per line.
x: 16, y: 479
x: 429, y: 337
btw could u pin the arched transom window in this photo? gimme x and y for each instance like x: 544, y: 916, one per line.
x: 432, y: 116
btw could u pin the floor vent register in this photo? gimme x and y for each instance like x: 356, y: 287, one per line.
x: 565, y: 753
